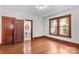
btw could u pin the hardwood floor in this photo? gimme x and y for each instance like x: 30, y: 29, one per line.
x: 27, y: 47
x: 12, y: 49
x: 39, y: 46
x: 48, y: 46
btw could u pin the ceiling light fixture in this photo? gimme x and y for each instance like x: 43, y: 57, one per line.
x: 41, y: 7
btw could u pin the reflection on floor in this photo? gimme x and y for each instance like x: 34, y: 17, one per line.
x: 39, y: 46
x: 12, y: 49
x: 27, y: 47
x: 47, y: 46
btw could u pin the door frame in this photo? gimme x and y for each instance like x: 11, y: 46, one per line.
x: 31, y: 27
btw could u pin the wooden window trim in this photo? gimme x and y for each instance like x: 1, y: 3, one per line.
x: 58, y: 26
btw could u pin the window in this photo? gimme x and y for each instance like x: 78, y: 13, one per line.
x: 54, y: 26
x: 60, y: 26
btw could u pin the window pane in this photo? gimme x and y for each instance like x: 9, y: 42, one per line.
x: 64, y: 31
x: 54, y: 22
x: 64, y: 21
x: 54, y: 30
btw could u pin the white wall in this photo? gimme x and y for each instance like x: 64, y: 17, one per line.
x: 74, y: 25
x: 37, y: 21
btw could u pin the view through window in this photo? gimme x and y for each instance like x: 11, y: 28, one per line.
x: 60, y: 26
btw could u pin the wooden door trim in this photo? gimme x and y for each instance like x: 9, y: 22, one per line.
x: 3, y: 30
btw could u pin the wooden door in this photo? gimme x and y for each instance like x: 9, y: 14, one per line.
x: 19, y: 31
x: 7, y: 30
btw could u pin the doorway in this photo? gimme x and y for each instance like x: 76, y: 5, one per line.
x: 28, y: 30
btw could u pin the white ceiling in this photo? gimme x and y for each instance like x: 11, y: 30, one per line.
x: 31, y: 9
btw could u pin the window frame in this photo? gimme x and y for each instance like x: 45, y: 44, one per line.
x: 58, y: 26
